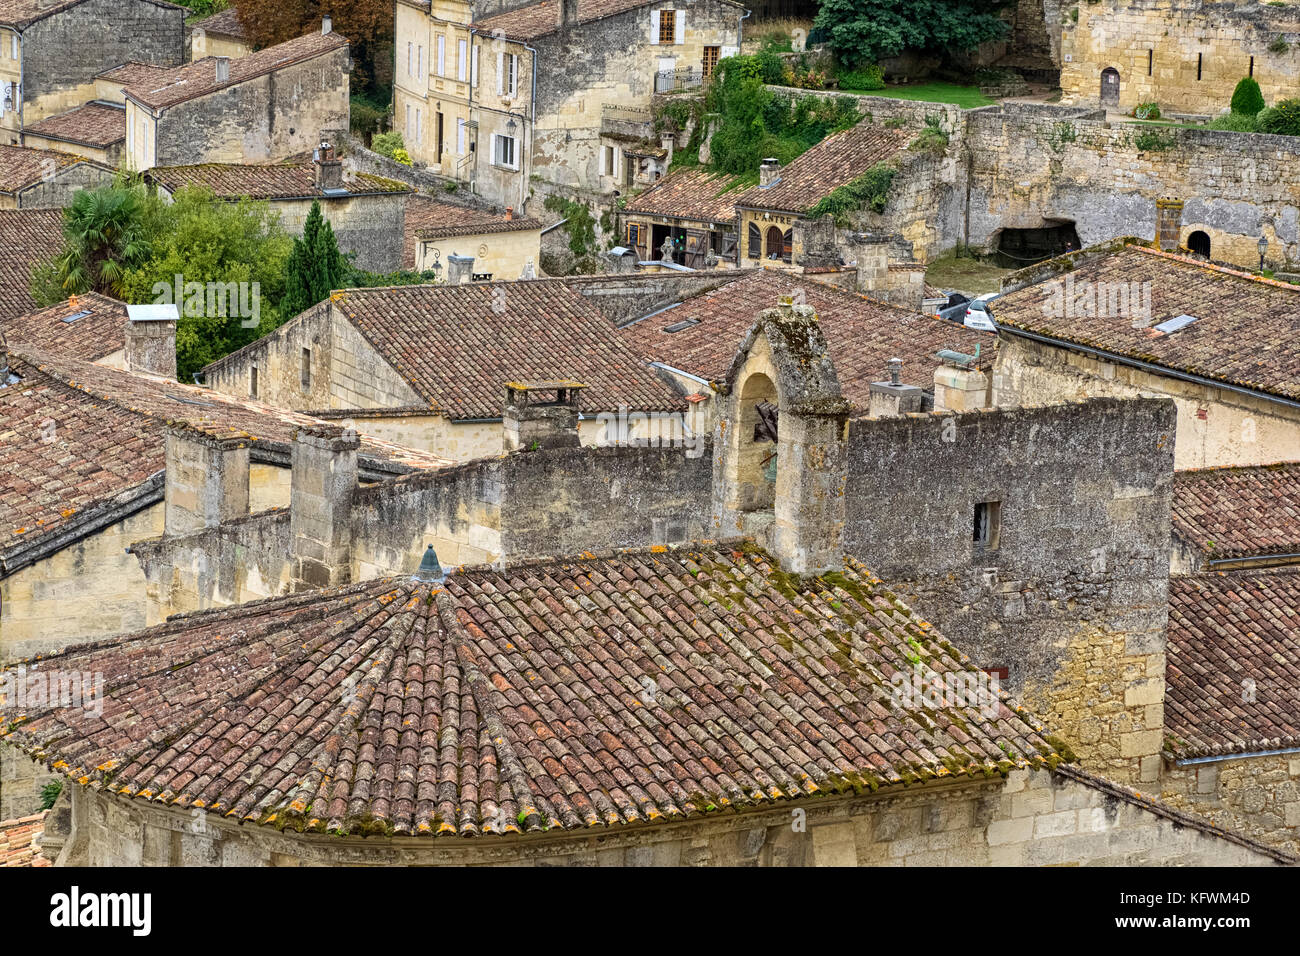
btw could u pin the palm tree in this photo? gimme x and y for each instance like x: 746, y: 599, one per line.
x: 104, y: 236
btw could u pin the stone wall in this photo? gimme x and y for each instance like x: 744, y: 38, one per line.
x: 1070, y: 597
x: 1258, y: 797
x: 57, y: 191
x: 1216, y: 426
x: 1028, y: 819
x: 625, y: 298
x: 371, y: 227
x: 264, y: 119
x: 62, y: 53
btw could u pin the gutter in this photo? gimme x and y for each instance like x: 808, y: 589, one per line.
x: 1150, y: 367
x: 677, y: 371
x: 555, y: 226
x: 1254, y: 561
x: 1192, y: 761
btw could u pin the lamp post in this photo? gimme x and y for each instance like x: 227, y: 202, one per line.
x: 1263, y: 248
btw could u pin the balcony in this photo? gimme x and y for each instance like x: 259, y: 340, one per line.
x: 671, y: 81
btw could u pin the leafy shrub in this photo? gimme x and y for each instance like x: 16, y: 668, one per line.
x: 932, y: 139
x: 1153, y: 141
x: 870, y: 190
x: 1234, y: 122
x: 1282, y: 118
x: 387, y: 144
x: 1061, y: 135
x: 1247, y: 100
x: 868, y: 78
x: 1279, y: 45
x: 50, y: 793
x: 402, y: 156
x: 365, y: 118
x: 1146, y: 111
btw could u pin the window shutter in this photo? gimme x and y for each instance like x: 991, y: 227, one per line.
x: 442, y: 56
x: 462, y: 68
x: 501, y: 72
x: 679, y: 27
x: 473, y: 66
x: 727, y: 51
x: 496, y: 154
x: 410, y: 58
x: 654, y: 27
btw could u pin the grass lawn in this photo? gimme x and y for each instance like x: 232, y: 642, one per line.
x: 964, y: 274
x: 936, y: 92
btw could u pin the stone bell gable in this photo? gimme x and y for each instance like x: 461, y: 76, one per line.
x: 779, y: 474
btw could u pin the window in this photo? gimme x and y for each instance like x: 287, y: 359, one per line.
x: 504, y: 151
x: 710, y: 59
x: 755, y: 250
x: 507, y: 73
x: 462, y: 64
x: 667, y: 26
x: 252, y: 382
x: 608, y: 161
x: 419, y: 60
x: 306, y: 368
x: 442, y: 56
x: 460, y: 137
x: 419, y: 125
x: 1151, y: 56
x: 473, y: 67
x: 988, y: 516
x: 410, y: 58
x: 1200, y: 57
x: 1252, y: 67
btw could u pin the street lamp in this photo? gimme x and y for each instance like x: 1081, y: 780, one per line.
x: 1263, y: 248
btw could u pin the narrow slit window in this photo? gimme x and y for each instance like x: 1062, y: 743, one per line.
x: 1199, y: 59
x: 1252, y: 67
x: 252, y: 382
x: 986, y: 525
x: 1151, y: 57
x: 306, y: 368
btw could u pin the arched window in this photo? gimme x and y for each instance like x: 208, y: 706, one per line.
x: 775, y: 245
x: 1199, y: 243
x: 757, y: 437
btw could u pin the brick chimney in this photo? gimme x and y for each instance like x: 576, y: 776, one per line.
x: 568, y: 13
x: 322, y: 485
x: 207, y: 479
x: 769, y: 172
x: 892, y: 398
x: 223, y: 69
x: 541, y: 415
x: 328, y: 168
x: 1169, y: 223
x: 151, y: 339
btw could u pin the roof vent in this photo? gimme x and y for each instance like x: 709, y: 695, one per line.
x: 429, y: 571
x: 681, y: 326
x: 1176, y: 323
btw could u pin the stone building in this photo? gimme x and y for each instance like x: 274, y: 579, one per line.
x: 96, y: 131
x: 219, y: 35
x: 694, y: 209
x: 51, y: 52
x: 89, y: 327
x: 267, y: 106
x: 45, y: 178
x: 1124, y: 319
x: 367, y: 213
x: 1231, y: 519
x: 31, y: 236
x: 1185, y: 55
x: 505, y: 100
x: 683, y: 763
x: 356, y: 360
x: 502, y: 246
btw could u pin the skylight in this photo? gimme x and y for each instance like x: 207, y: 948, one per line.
x: 681, y: 326
x: 75, y: 316
x: 1176, y: 323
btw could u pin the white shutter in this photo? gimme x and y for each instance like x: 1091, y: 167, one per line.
x: 410, y: 58
x: 493, y: 155
x: 501, y: 72
x: 727, y: 51
x: 442, y: 56
x: 654, y: 26
x: 473, y: 66
x: 462, y: 68
x: 460, y: 137
x: 679, y: 27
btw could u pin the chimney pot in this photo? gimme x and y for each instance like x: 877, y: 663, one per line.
x: 223, y: 69
x: 895, y: 371
x: 510, y: 213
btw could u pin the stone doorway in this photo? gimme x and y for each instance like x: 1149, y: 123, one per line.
x: 1110, y: 87
x: 1199, y: 243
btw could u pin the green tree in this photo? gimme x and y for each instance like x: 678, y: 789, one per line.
x: 1283, y: 118
x: 315, y: 266
x: 239, y: 248
x: 106, y: 232
x: 1247, y: 100
x: 860, y: 32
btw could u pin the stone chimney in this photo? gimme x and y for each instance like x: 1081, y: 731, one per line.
x: 207, y: 479
x: 1169, y: 223
x: 326, y: 25
x: 322, y: 486
x: 568, y: 13
x: 459, y: 269
x: 329, y: 169
x: 873, y: 262
x: 958, y: 385
x: 151, y: 339
x: 541, y: 415
x: 769, y: 172
x: 892, y: 398
x: 223, y: 69
x: 668, y: 141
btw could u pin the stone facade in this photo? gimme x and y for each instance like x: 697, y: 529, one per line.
x: 1028, y: 819
x: 1186, y: 55
x: 57, y: 189
x: 1256, y: 796
x: 103, y: 33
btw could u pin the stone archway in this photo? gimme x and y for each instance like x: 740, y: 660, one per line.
x: 1199, y: 243
x: 756, y: 444
x: 1110, y: 87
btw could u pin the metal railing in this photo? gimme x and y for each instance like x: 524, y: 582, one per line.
x: 667, y: 81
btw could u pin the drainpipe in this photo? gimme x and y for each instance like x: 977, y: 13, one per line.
x: 740, y: 31
x: 532, y: 118
x: 18, y: 97
x: 471, y: 74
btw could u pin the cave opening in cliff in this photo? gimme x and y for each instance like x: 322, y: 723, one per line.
x: 1015, y: 248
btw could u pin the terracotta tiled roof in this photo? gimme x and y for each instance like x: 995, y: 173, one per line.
x: 224, y: 24
x: 1233, y: 677
x: 1244, y: 336
x: 459, y: 345
x: 835, y: 161
x: 1229, y: 513
x: 30, y: 236
x: 582, y: 694
x: 200, y: 78
x: 265, y: 181
x: 75, y: 436
x: 18, y: 841
x: 90, y: 337
x: 863, y: 334
x: 539, y: 19
x: 21, y: 13
x: 436, y: 220
x: 95, y: 124
x: 21, y: 167
x: 690, y: 193
x: 134, y: 72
